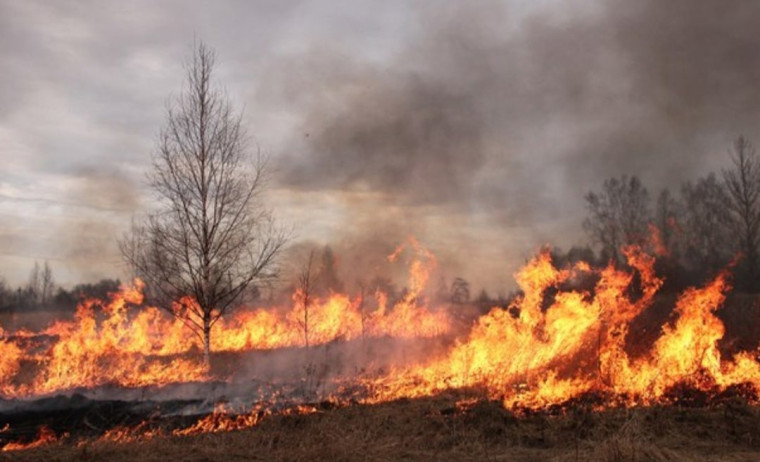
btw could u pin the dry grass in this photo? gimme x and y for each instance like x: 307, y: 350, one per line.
x: 435, y: 429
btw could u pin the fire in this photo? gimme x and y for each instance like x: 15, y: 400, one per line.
x: 141, y: 431
x: 340, y: 316
x: 10, y: 357
x: 90, y: 352
x: 45, y: 436
x: 553, y: 343
x: 504, y: 351
x: 121, y: 342
x: 222, y: 419
x: 531, y: 356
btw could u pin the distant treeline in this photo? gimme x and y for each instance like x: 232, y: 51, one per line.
x: 695, y: 231
x: 42, y: 293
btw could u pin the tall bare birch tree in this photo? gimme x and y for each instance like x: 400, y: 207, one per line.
x: 210, y: 236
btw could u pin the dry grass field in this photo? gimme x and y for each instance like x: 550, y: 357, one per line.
x: 439, y: 429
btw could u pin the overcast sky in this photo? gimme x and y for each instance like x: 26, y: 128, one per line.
x: 476, y: 126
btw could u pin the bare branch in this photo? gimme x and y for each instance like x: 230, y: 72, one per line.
x: 742, y: 183
x: 211, y: 237
x: 618, y: 215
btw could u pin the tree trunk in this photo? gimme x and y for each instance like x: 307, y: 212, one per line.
x: 207, y: 339
x: 306, y: 326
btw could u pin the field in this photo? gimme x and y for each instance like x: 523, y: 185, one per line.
x: 454, y: 427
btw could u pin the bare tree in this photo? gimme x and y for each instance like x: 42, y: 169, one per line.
x: 305, y: 295
x: 363, y: 313
x: 460, y: 291
x: 327, y: 277
x: 6, y: 294
x: 210, y: 236
x: 618, y: 215
x: 742, y: 182
x: 666, y: 217
x: 47, y: 284
x: 34, y: 285
x: 705, y: 224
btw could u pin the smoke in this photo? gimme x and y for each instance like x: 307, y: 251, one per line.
x: 475, y: 125
x: 104, y: 200
x: 487, y: 111
x: 690, y: 71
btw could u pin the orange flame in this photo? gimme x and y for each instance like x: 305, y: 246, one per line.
x: 551, y: 344
x: 123, y: 343
x: 45, y: 436
x: 540, y: 357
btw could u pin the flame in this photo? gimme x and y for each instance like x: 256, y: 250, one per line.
x: 553, y: 343
x: 340, y: 317
x: 224, y: 420
x: 121, y: 342
x: 532, y: 357
x: 45, y: 436
x: 91, y: 352
x: 10, y: 357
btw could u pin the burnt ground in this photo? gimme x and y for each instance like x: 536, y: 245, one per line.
x: 438, y: 428
x: 273, y: 380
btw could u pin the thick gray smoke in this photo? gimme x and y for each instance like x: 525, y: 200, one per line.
x: 104, y: 200
x: 477, y: 113
x: 465, y: 123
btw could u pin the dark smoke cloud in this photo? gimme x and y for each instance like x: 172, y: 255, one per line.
x: 476, y: 113
x: 407, y: 137
x: 473, y: 125
x: 106, y: 199
x: 691, y: 70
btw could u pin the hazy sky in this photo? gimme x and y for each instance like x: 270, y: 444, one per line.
x: 477, y: 126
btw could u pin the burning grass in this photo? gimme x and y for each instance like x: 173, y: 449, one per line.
x: 123, y: 342
x: 556, y: 353
x: 454, y: 426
